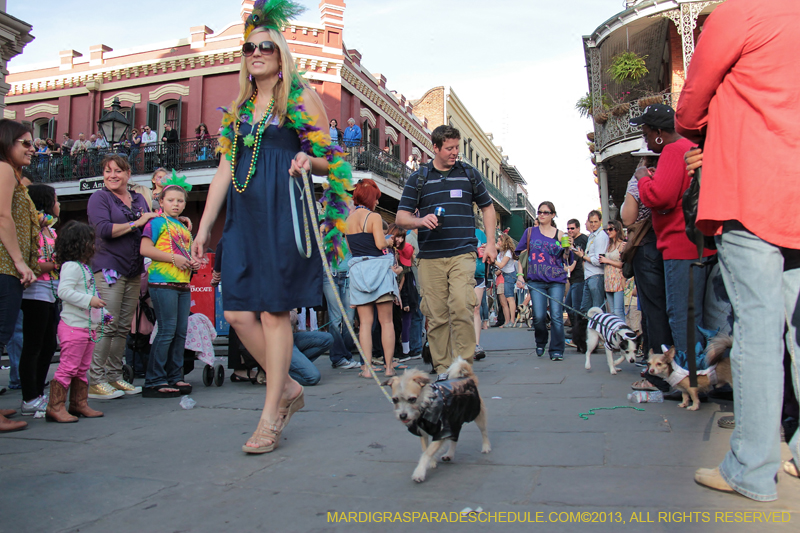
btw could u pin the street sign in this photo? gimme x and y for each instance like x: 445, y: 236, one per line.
x: 91, y: 184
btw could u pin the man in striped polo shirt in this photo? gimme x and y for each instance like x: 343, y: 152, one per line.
x: 448, y: 245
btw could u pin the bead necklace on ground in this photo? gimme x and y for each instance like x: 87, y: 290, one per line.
x: 249, y: 140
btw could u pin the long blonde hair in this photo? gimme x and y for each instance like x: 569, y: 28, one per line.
x: 281, y: 90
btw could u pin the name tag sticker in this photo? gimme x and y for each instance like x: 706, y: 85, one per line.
x: 456, y: 193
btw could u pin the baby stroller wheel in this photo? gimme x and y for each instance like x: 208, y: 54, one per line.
x: 208, y: 375
x: 127, y: 373
x: 219, y: 378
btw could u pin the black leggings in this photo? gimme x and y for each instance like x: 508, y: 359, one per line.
x: 39, y: 321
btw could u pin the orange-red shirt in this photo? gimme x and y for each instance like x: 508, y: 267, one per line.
x: 742, y: 93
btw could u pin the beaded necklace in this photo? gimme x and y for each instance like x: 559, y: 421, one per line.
x: 178, y: 238
x: 106, y: 317
x: 48, y: 258
x: 249, y: 140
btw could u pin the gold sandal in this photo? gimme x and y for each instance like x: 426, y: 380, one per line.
x: 264, y: 432
x: 289, y: 407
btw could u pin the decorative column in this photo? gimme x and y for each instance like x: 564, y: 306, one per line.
x: 603, y: 179
x: 686, y: 21
x: 14, y: 35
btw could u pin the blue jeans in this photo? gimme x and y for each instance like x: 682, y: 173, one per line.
x: 540, y: 302
x: 415, y: 342
x: 765, y: 301
x: 616, y: 303
x: 166, y: 354
x: 574, y: 299
x: 648, y: 270
x: 14, y: 348
x: 10, y: 303
x: 676, y: 281
x: 594, y: 293
x: 308, y: 345
x: 342, y: 340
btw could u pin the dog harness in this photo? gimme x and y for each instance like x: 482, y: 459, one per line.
x: 680, y: 372
x: 455, y: 402
x: 607, y: 325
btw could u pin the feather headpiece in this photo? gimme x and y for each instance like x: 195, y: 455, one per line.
x: 272, y: 14
x: 175, y: 181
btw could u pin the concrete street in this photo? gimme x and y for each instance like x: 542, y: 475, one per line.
x: 149, y: 465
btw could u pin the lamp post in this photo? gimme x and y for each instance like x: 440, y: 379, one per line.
x: 114, y: 126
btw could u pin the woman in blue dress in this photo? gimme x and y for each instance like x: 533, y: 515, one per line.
x: 264, y: 275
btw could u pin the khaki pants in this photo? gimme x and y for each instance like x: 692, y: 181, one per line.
x: 448, y: 301
x: 121, y: 300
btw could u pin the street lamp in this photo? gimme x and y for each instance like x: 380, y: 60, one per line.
x: 114, y: 126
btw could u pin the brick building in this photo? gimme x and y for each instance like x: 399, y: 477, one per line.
x: 183, y: 83
x: 663, y: 33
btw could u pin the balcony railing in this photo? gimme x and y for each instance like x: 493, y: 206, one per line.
x: 524, y: 203
x: 370, y: 158
x: 184, y: 155
x: 618, y: 128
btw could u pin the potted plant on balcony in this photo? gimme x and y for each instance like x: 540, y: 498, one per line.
x: 601, y: 118
x: 628, y: 68
x: 620, y: 109
x: 590, y: 136
x: 651, y: 99
x: 585, y: 104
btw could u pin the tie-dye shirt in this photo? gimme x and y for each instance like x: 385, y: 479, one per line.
x: 171, y: 237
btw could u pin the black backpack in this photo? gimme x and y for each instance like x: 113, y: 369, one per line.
x: 424, y: 169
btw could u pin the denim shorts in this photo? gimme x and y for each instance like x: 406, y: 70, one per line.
x: 509, y: 284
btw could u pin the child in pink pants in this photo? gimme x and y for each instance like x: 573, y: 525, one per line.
x: 80, y: 316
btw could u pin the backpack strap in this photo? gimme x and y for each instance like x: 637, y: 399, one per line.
x: 422, y: 177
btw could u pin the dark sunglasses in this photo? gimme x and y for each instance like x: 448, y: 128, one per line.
x: 267, y: 48
x: 570, y: 229
x: 610, y: 229
x: 545, y: 212
x: 25, y: 142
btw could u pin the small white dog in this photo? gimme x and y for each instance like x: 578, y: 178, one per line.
x: 438, y: 410
x: 616, y: 336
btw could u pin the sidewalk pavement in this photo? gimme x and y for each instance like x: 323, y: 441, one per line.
x: 149, y: 465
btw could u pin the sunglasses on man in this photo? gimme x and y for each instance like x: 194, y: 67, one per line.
x: 267, y: 48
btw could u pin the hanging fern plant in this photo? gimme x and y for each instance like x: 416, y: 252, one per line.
x: 585, y: 104
x: 628, y: 67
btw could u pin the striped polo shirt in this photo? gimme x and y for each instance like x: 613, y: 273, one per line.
x: 456, y: 234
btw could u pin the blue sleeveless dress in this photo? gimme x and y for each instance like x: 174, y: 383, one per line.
x: 262, y: 270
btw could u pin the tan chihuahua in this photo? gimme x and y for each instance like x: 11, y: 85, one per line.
x: 438, y: 410
x: 718, y: 372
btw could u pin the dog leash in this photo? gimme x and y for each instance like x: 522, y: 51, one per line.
x: 562, y: 303
x: 308, y: 188
x: 585, y: 416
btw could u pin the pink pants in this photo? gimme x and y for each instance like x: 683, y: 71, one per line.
x: 76, y: 353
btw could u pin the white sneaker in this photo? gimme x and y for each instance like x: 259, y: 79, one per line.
x: 32, y: 407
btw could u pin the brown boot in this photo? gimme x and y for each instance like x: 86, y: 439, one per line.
x: 7, y: 426
x: 55, y: 407
x: 78, y: 400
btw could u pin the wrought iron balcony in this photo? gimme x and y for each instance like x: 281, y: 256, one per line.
x: 524, y: 203
x: 183, y: 155
x: 370, y: 158
x: 618, y: 128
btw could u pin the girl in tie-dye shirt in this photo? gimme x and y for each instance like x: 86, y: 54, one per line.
x: 168, y: 243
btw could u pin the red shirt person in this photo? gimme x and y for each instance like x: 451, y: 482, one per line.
x: 741, y: 97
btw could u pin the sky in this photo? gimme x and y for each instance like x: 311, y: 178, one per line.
x: 518, y: 65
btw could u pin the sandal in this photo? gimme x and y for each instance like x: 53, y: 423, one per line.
x: 790, y: 467
x: 289, y: 407
x: 161, y: 391
x: 184, y: 389
x: 264, y: 432
x: 365, y: 374
x: 726, y: 422
x: 644, y: 385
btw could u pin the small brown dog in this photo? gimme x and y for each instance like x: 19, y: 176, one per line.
x: 438, y: 410
x: 719, y: 372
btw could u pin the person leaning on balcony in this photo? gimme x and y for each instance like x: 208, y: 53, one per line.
x: 67, y: 143
x: 741, y: 96
x: 149, y: 139
x: 352, y: 133
x: 118, y: 216
x: 448, y: 247
x: 81, y: 145
x: 19, y: 234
